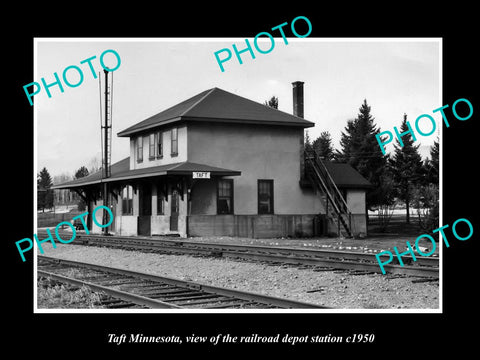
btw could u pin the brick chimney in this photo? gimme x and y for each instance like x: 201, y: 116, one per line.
x: 298, y: 98
x: 298, y: 111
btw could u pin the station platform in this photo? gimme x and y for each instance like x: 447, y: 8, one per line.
x: 370, y: 244
x: 373, y: 243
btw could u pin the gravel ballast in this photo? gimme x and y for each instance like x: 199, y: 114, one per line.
x: 333, y: 289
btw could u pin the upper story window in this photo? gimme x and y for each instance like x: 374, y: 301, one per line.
x: 160, y: 144
x: 174, y: 135
x: 151, y: 146
x: 139, y: 146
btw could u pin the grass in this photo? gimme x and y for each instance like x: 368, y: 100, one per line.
x: 54, y: 295
x: 397, y: 225
x: 47, y: 219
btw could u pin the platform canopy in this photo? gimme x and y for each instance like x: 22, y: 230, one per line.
x: 120, y: 171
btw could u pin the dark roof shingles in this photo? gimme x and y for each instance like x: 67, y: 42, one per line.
x: 218, y: 105
x: 344, y: 175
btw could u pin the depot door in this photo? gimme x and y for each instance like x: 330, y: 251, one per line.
x: 174, y: 211
x: 112, y: 205
x: 145, y: 210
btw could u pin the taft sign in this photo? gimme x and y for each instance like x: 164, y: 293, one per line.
x: 201, y: 175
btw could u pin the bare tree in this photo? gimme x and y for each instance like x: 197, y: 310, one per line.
x: 95, y: 164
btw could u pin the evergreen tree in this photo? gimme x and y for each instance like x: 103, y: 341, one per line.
x: 82, y: 172
x: 273, y: 102
x: 432, y: 164
x: 407, y: 167
x: 359, y: 148
x: 44, y: 193
x: 348, y: 142
x: 323, y: 146
x: 426, y: 195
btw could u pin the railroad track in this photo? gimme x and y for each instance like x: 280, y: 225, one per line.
x: 354, y: 262
x: 133, y: 289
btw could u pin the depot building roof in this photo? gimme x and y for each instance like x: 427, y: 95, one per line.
x: 120, y: 171
x: 217, y: 105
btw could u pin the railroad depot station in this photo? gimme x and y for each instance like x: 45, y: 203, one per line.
x: 218, y: 164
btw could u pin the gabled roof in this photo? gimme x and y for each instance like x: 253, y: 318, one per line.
x: 219, y: 106
x: 120, y: 171
x: 345, y: 176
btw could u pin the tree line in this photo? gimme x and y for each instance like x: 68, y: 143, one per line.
x: 400, y: 177
x: 45, y: 193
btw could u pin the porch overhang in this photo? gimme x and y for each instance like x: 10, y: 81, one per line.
x: 120, y: 172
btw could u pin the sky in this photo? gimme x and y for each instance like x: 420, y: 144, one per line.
x: 395, y: 76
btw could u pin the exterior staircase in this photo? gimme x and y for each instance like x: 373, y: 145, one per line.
x: 336, y: 208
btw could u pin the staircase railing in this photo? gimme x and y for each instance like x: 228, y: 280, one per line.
x: 321, y: 177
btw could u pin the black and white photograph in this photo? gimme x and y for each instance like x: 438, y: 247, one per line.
x: 266, y: 178
x: 288, y: 182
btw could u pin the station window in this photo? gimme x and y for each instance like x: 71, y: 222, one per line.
x: 127, y: 200
x: 225, y: 196
x: 174, y: 136
x: 151, y: 146
x: 139, y: 149
x: 265, y: 196
x: 160, y: 144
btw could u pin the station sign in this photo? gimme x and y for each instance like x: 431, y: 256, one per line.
x: 201, y: 174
